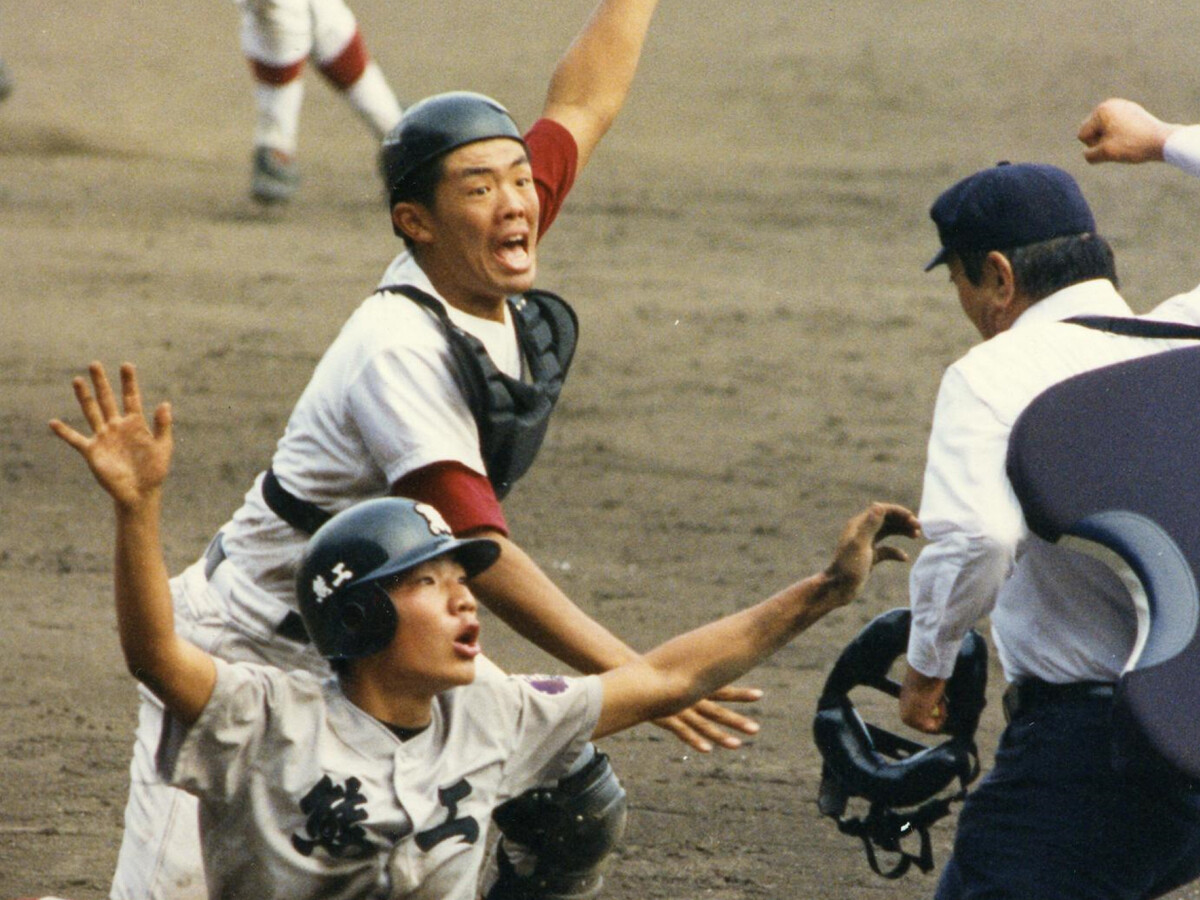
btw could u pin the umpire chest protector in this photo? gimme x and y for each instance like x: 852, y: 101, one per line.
x: 511, y: 414
x: 1110, y: 458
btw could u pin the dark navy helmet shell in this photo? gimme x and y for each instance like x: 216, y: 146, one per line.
x: 435, y: 126
x: 346, y: 612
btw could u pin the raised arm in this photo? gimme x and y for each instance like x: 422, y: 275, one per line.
x: 1123, y: 131
x: 677, y: 673
x: 592, y: 79
x: 130, y: 461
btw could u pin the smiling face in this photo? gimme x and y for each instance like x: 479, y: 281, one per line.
x: 477, y: 241
x: 437, y: 638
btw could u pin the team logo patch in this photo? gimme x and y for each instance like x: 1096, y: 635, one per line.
x: 323, y: 589
x: 547, y: 684
x: 437, y: 525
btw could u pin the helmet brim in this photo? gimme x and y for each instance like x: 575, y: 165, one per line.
x: 475, y: 555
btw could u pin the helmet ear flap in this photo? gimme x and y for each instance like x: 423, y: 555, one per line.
x: 364, y: 621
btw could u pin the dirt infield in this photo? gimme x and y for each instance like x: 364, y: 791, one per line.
x: 760, y: 348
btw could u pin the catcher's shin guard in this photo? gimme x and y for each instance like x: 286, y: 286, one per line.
x: 555, y: 840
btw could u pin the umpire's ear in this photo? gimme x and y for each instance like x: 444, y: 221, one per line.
x: 412, y: 220
x: 1005, y: 300
x: 998, y: 274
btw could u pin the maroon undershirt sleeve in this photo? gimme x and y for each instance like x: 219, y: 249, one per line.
x: 465, y: 498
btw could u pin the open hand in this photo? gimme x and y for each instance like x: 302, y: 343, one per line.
x: 707, y: 723
x: 128, y: 459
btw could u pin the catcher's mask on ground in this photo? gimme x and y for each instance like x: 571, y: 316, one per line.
x: 346, y: 612
x: 899, y: 778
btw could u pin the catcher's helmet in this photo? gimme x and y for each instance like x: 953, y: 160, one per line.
x: 889, y: 771
x: 346, y: 612
x: 437, y: 125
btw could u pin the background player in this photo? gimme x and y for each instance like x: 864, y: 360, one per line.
x: 383, y: 413
x: 303, y: 793
x: 278, y: 38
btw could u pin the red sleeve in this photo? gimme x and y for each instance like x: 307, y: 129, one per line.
x: 553, y: 156
x: 465, y: 498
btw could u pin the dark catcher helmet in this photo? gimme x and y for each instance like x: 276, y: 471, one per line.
x: 345, y: 609
x: 435, y: 126
x: 899, y: 778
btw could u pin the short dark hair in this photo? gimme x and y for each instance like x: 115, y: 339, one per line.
x: 1043, y: 268
x: 419, y: 186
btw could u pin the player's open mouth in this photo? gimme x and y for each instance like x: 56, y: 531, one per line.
x: 466, y: 644
x: 513, y: 253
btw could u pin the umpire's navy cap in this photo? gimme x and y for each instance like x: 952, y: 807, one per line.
x: 1009, y: 206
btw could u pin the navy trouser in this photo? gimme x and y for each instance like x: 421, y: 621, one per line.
x: 1057, y: 819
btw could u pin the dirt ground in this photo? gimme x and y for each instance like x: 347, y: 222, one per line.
x: 759, y: 358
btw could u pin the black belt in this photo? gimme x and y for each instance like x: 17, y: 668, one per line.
x: 292, y: 626
x: 1028, y: 695
x: 303, y: 515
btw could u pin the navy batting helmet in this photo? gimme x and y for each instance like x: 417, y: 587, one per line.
x: 435, y: 126
x: 346, y: 612
x: 900, y: 778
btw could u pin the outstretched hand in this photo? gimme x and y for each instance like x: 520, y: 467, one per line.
x: 128, y: 459
x: 707, y: 724
x: 1123, y: 131
x: 858, y: 549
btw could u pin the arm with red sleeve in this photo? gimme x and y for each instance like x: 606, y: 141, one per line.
x: 588, y: 89
x: 593, y: 78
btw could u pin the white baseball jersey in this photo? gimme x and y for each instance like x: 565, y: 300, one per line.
x: 346, y: 441
x: 356, y: 443
x: 382, y: 402
x: 303, y: 795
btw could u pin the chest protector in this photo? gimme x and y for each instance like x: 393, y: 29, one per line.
x: 511, y: 414
x: 1110, y: 457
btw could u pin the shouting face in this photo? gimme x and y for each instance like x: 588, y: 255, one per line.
x: 477, y: 240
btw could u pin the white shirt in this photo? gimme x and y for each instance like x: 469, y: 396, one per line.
x: 1182, y: 149
x: 381, y: 403
x: 303, y: 796
x: 1056, y: 615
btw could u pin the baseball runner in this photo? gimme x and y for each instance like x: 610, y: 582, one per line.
x: 387, y: 412
x: 379, y: 782
x: 278, y: 37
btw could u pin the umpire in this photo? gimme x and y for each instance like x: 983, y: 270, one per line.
x: 1062, y: 814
